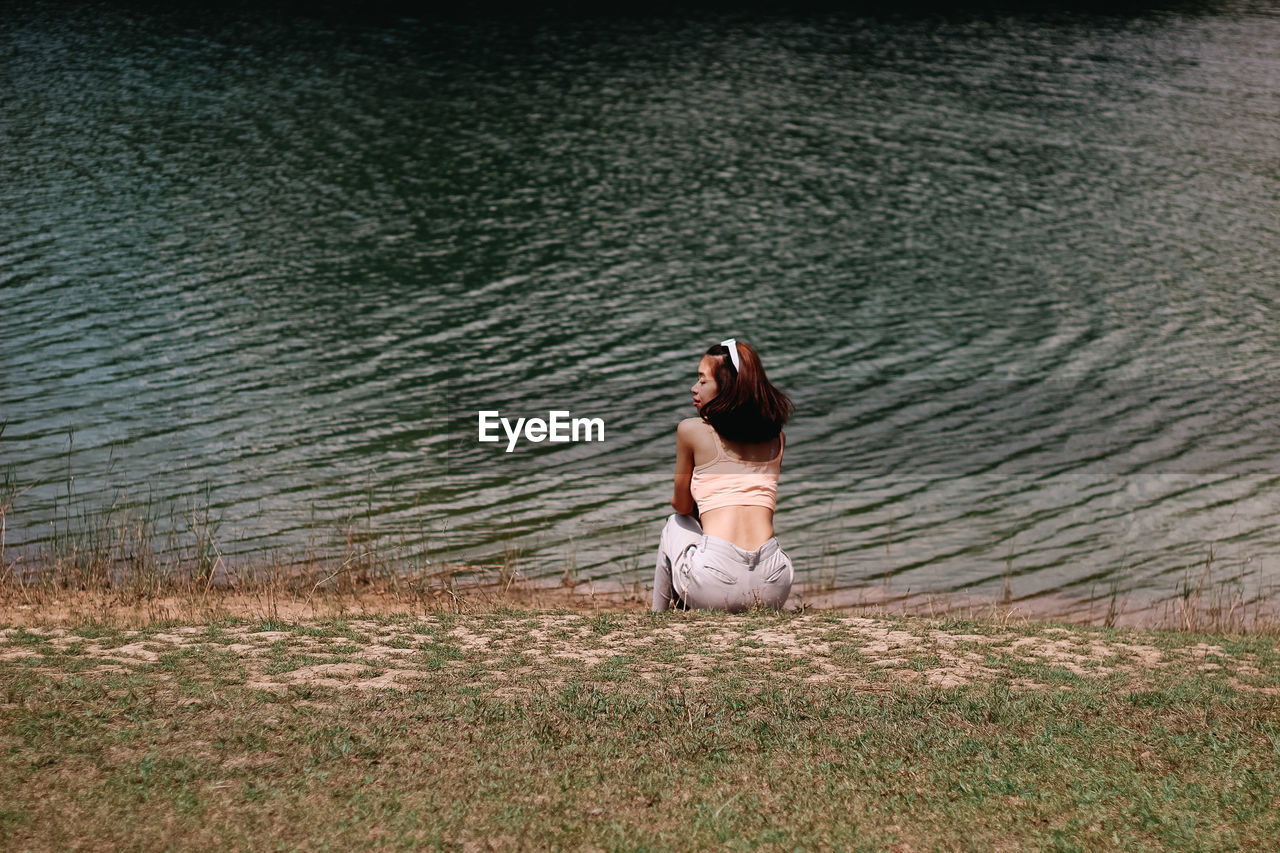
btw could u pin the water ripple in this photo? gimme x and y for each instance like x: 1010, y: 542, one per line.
x: 1014, y: 269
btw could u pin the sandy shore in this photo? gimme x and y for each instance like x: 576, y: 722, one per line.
x: 43, y: 606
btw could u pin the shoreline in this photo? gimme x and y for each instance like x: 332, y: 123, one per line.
x: 52, y: 605
x: 106, y: 561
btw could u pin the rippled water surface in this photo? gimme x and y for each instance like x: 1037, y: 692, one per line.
x: 1017, y: 271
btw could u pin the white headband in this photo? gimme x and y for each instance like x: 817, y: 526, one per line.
x: 732, y: 344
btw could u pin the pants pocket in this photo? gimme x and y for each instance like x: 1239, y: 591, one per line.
x: 719, y: 574
x: 779, y: 571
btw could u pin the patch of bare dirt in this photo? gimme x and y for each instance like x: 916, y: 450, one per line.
x: 810, y: 649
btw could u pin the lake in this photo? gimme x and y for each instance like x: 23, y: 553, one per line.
x: 1015, y: 269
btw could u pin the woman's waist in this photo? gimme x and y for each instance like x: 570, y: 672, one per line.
x: 747, y: 527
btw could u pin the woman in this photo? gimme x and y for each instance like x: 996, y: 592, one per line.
x: 718, y: 550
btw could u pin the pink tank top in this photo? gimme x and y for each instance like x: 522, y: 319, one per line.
x: 727, y: 481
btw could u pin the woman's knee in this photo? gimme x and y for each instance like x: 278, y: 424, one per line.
x: 679, y: 531
x: 685, y: 522
x: 664, y: 538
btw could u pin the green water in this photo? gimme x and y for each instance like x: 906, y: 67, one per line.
x: 1015, y: 269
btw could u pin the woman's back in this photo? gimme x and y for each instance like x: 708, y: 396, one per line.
x: 735, y: 485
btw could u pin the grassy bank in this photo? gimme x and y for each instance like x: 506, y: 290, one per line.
x: 324, y: 591
x: 512, y: 728
x: 145, y: 559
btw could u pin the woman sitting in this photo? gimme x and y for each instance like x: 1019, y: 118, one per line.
x: 718, y: 550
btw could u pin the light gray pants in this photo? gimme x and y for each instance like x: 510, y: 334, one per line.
x: 709, y: 573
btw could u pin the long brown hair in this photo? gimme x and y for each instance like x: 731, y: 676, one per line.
x: 747, y: 407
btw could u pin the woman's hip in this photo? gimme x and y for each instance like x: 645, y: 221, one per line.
x: 712, y: 572
x: 722, y: 562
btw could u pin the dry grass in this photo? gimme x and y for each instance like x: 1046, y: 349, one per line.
x: 107, y: 562
x: 324, y: 592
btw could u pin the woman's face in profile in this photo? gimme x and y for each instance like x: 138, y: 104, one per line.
x: 704, y: 390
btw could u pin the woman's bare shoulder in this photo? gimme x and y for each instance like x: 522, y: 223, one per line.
x: 697, y: 434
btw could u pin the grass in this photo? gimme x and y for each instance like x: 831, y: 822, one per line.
x: 170, y: 697
x: 139, y: 548
x: 512, y: 728
x: 167, y: 562
x: 109, y: 561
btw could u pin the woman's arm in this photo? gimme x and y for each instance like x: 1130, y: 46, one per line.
x: 682, y: 500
